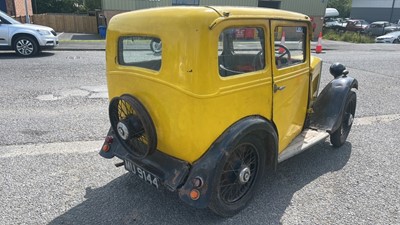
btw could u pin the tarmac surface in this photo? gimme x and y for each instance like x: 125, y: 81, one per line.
x: 80, y: 42
x: 93, y: 42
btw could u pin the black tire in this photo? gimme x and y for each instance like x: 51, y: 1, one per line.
x: 133, y: 126
x: 26, y: 46
x: 238, y: 177
x: 396, y: 41
x: 338, y: 138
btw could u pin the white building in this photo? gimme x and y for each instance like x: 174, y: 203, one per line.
x: 375, y: 10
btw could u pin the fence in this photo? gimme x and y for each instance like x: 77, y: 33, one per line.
x: 65, y: 22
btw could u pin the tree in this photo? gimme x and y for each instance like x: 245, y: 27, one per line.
x: 343, y: 6
x: 91, y: 5
x: 66, y: 6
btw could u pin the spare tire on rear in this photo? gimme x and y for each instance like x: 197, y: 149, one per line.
x: 133, y: 125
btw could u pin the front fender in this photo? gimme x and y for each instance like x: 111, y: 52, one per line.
x: 207, y: 166
x: 29, y: 32
x: 329, y: 106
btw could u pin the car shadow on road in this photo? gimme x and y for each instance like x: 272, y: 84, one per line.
x: 13, y: 55
x: 128, y: 200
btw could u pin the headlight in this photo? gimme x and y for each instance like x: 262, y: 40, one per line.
x: 43, y: 32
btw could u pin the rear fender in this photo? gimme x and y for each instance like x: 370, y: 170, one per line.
x: 329, y: 106
x: 206, y: 167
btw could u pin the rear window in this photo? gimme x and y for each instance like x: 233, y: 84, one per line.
x: 140, y: 51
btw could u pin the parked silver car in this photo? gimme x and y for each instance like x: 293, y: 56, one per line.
x: 393, y: 37
x: 381, y: 27
x: 25, y: 39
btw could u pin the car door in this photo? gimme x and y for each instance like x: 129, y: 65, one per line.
x: 374, y: 29
x: 379, y: 29
x: 3, y: 32
x: 290, y: 78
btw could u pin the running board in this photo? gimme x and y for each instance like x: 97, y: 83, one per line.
x: 305, y: 140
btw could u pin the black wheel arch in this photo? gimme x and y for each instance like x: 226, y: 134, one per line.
x: 16, y: 36
x: 206, y: 166
x: 329, y: 106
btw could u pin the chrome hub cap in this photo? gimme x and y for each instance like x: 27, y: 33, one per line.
x: 244, y: 175
x: 24, y: 47
x: 123, y: 130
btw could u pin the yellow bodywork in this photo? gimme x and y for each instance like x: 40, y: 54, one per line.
x: 189, y: 103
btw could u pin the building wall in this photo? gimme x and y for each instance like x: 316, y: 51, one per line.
x: 313, y: 8
x: 10, y: 7
x: 20, y: 7
x: 16, y: 7
x: 3, y: 6
x: 375, y: 10
x: 308, y: 7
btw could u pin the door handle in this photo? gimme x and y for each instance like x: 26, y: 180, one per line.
x: 277, y: 88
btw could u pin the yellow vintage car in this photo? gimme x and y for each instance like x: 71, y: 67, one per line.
x: 204, y: 100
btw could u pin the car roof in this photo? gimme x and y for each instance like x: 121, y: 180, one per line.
x: 379, y: 22
x: 196, y: 15
x: 356, y: 20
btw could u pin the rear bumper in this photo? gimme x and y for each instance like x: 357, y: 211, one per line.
x: 178, y: 175
x: 172, y: 172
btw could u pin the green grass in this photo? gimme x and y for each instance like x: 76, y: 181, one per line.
x: 348, y: 36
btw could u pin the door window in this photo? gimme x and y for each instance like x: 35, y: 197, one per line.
x: 241, y: 50
x: 290, y: 46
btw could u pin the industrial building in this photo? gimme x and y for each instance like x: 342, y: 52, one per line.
x: 376, y: 10
x: 313, y: 8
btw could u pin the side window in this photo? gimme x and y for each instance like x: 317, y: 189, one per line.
x: 290, y: 46
x: 241, y: 50
x: 139, y: 51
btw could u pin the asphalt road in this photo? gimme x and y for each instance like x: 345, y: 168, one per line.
x: 54, y: 116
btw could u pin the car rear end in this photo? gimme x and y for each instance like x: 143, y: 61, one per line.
x: 153, y: 96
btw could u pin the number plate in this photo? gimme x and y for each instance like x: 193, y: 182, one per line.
x: 142, y: 173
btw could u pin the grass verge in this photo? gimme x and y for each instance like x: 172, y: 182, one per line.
x: 348, y: 36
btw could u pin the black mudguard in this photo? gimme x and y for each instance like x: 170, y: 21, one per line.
x: 208, y: 165
x: 329, y: 106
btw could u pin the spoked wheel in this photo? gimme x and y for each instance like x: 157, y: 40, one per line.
x: 133, y: 125
x: 338, y: 138
x: 239, y: 177
x: 156, y: 45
